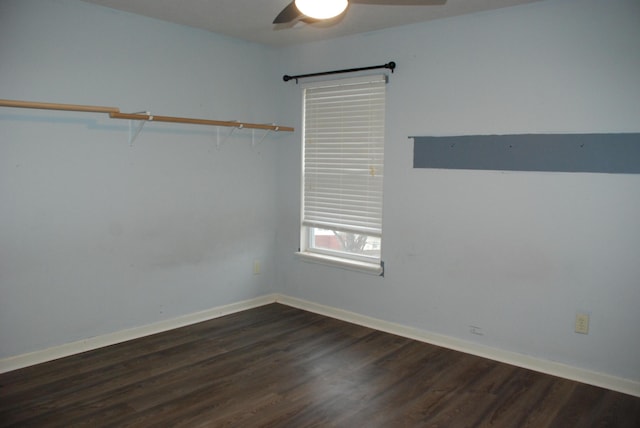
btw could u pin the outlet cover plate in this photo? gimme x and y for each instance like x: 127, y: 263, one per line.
x: 582, y: 323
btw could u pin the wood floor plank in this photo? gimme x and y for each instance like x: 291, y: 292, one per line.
x: 140, y: 375
x: 89, y: 361
x: 264, y: 374
x: 280, y: 366
x: 226, y: 369
x: 102, y: 378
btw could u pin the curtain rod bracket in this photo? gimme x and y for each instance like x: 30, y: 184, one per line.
x: 391, y: 65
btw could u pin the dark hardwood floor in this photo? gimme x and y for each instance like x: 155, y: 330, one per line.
x: 280, y: 366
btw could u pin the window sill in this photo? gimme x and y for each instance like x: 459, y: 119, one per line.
x: 370, y: 268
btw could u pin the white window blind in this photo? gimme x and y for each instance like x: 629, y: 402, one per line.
x: 344, y: 154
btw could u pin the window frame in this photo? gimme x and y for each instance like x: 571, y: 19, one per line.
x: 343, y: 259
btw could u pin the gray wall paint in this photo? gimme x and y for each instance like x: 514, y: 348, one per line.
x: 602, y: 153
x: 516, y: 253
x: 97, y: 236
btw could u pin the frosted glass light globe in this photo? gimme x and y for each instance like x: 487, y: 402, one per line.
x: 321, y: 9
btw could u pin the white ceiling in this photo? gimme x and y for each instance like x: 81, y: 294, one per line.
x: 252, y: 19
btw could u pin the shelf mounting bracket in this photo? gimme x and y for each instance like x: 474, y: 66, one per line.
x: 226, y: 137
x: 267, y: 132
x: 135, y: 131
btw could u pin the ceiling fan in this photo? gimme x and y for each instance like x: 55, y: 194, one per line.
x: 326, y: 9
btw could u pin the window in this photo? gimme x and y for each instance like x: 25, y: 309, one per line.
x: 343, y: 153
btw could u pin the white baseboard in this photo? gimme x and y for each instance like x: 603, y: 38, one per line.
x: 544, y: 366
x: 537, y: 364
x: 49, y: 354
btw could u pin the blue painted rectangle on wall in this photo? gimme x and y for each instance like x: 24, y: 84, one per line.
x: 602, y: 153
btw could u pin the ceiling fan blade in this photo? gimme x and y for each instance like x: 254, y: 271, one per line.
x: 401, y: 2
x: 288, y: 14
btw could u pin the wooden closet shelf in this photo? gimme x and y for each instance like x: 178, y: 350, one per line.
x: 115, y: 113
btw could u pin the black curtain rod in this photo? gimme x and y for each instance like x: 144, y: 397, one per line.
x: 390, y: 65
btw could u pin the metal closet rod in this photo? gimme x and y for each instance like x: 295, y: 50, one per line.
x: 390, y: 65
x: 114, y: 113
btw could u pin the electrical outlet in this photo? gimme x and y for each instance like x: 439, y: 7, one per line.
x: 582, y: 323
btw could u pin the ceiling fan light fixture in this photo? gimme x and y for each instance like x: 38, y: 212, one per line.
x: 321, y: 9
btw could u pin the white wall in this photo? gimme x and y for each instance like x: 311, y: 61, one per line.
x: 515, y: 253
x: 97, y: 236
